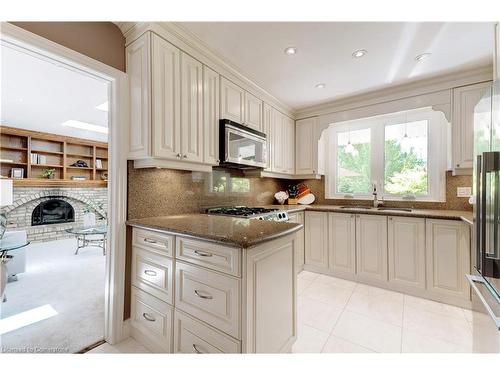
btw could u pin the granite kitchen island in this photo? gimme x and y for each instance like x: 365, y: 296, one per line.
x: 213, y: 284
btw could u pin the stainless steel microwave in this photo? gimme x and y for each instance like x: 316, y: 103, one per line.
x: 241, y: 147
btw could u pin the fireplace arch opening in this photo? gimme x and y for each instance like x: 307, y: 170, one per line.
x: 53, y: 211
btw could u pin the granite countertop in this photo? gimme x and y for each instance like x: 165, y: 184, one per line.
x: 465, y: 216
x: 237, y: 232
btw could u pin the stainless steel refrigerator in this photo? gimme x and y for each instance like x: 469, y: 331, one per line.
x: 485, y: 277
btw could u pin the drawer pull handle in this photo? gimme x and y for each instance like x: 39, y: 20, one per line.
x: 150, y: 272
x: 202, y: 253
x: 149, y: 240
x: 198, y: 351
x: 203, y: 295
x: 148, y: 317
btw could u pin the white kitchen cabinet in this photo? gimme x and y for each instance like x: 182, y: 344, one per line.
x: 465, y: 99
x: 308, y: 149
x: 169, y: 107
x: 191, y: 108
x: 254, y: 112
x: 371, y: 247
x: 268, y: 123
x: 316, y: 239
x: 342, y: 243
x: 298, y: 217
x: 288, y: 145
x: 448, y: 258
x: 406, y: 251
x: 240, y: 106
x: 138, y: 63
x: 232, y: 101
x: 166, y: 125
x: 210, y: 116
x: 496, y: 57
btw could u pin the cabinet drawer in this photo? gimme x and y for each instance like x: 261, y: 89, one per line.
x: 154, y: 241
x: 153, y: 273
x: 208, y: 296
x: 194, y: 337
x: 211, y: 255
x: 153, y: 319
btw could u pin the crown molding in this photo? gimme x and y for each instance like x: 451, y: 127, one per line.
x: 191, y: 44
x: 416, y: 88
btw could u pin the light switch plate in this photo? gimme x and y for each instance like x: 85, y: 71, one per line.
x: 464, y: 192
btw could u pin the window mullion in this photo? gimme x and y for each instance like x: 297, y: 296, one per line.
x: 378, y: 156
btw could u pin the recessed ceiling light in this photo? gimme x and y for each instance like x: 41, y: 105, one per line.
x: 359, y: 53
x: 320, y: 86
x: 86, y: 126
x: 290, y: 51
x: 422, y: 56
x: 103, y: 107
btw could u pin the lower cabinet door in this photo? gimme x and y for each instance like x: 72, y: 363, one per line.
x: 316, y: 239
x: 448, y: 258
x: 151, y: 321
x: 371, y: 247
x: 194, y: 337
x: 342, y: 243
x: 406, y: 246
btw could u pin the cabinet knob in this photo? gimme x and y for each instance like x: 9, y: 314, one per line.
x: 185, y: 156
x: 218, y: 161
x: 458, y: 165
x: 178, y: 156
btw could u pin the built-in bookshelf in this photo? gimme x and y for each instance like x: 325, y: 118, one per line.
x: 35, y: 152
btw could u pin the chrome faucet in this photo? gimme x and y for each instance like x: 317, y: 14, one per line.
x: 375, y: 196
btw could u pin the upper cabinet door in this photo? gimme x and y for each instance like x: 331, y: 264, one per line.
x: 305, y: 147
x: 464, y: 100
x: 278, y: 137
x: 289, y: 145
x: 496, y: 57
x: 138, y: 70
x: 253, y: 112
x: 191, y: 108
x: 166, y: 99
x: 232, y: 101
x: 267, y: 129
x: 210, y: 116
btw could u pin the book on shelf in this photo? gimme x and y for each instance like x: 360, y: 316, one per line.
x: 6, y: 161
x: 98, y: 163
x: 78, y: 178
x: 38, y: 159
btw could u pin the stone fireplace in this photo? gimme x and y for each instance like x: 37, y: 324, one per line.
x: 46, y: 213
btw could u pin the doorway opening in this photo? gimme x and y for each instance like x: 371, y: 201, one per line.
x: 54, y: 147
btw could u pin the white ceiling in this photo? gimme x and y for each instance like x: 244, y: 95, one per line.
x: 324, y: 54
x: 39, y: 95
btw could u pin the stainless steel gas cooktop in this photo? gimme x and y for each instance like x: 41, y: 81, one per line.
x: 259, y: 213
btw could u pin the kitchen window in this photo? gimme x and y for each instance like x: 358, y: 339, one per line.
x: 403, y: 154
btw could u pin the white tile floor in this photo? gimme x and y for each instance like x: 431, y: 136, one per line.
x: 340, y: 316
x: 127, y: 346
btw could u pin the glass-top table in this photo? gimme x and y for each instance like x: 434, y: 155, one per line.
x: 97, y: 237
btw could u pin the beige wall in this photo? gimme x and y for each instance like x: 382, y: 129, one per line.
x: 103, y: 41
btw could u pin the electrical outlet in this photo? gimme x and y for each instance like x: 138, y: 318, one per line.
x: 464, y: 192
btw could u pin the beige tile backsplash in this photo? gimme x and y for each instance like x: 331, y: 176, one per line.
x: 158, y: 192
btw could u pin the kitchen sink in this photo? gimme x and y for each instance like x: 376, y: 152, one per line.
x: 356, y: 207
x: 394, y: 209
